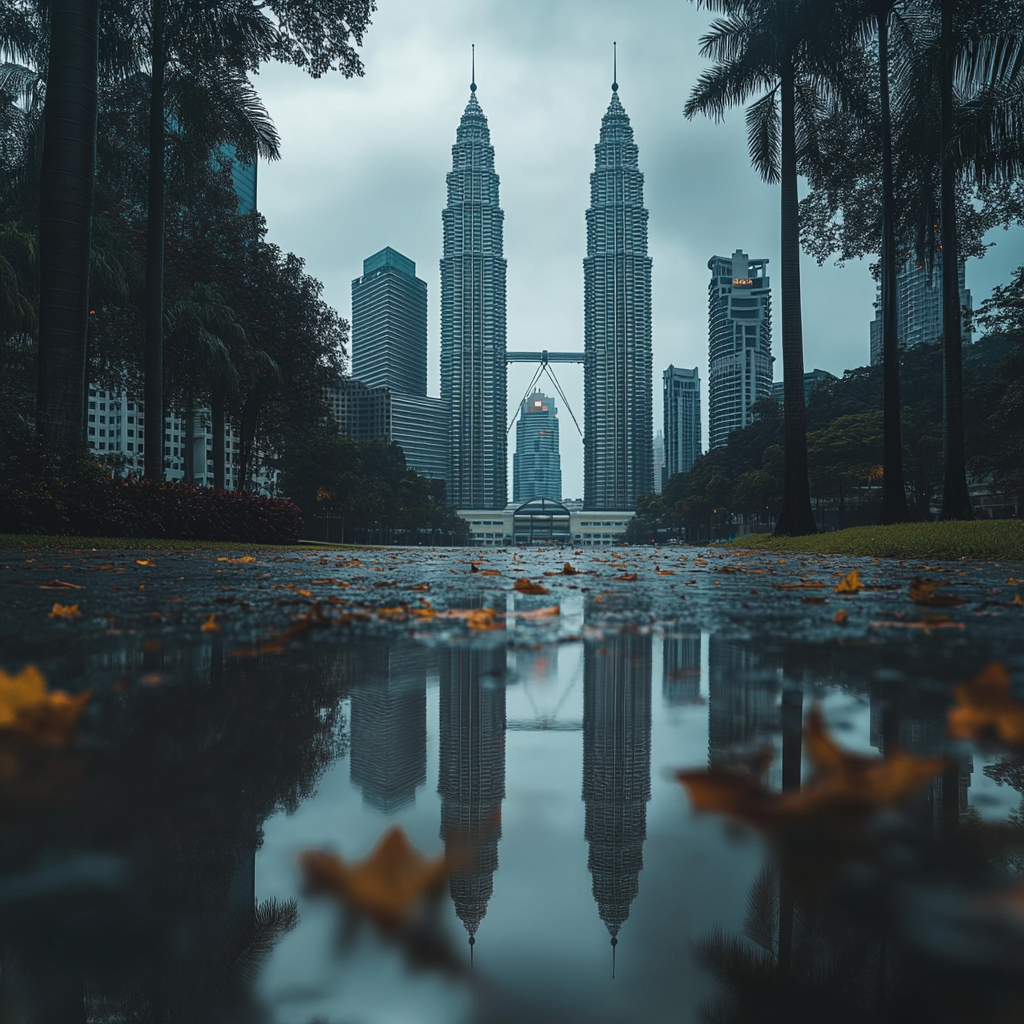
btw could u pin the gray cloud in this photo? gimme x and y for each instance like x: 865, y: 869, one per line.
x: 364, y: 164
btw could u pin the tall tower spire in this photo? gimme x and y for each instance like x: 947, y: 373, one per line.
x: 473, y: 371
x: 472, y: 83
x: 617, y: 369
x: 615, y: 67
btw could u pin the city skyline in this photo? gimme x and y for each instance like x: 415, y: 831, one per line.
x: 363, y: 163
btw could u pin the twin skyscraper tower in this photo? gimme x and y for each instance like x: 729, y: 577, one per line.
x: 617, y: 330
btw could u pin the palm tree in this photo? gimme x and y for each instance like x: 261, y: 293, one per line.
x: 65, y: 221
x: 195, y: 51
x: 776, y: 50
x: 981, y: 64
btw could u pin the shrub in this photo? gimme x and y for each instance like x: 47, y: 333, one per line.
x: 37, y: 495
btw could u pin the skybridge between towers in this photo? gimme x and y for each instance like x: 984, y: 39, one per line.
x: 544, y: 359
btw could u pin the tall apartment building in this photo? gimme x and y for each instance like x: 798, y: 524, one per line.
x: 115, y: 432
x: 417, y: 423
x: 658, y: 462
x: 473, y: 369
x: 536, y: 463
x: 919, y: 307
x: 739, y: 342
x: 389, y: 324
x: 682, y: 419
x: 617, y: 369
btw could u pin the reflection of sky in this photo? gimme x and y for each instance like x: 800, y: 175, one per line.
x: 542, y: 949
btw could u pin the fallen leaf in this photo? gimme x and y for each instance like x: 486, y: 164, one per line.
x: 923, y: 592
x: 803, y: 585
x: 389, y: 887
x: 840, y: 617
x: 537, y: 613
x: 525, y: 586
x: 28, y: 707
x: 627, y: 577
x: 65, y: 611
x: 420, y: 586
x: 984, y: 707
x: 144, y: 561
x: 244, y: 558
x: 850, y: 583
x: 490, y: 572
x: 1017, y: 599
x: 927, y: 624
x: 843, y: 786
x: 210, y: 625
x: 473, y: 568
x: 60, y: 585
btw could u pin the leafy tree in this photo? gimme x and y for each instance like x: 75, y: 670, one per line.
x: 845, y: 451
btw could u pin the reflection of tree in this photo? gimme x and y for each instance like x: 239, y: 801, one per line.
x: 838, y: 970
x: 388, y: 757
x: 616, y: 768
x: 137, y: 892
x: 472, y: 773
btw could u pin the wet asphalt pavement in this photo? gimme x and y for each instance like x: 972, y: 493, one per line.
x: 164, y: 599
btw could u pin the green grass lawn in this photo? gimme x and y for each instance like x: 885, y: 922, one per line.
x: 24, y: 541
x: 985, y: 541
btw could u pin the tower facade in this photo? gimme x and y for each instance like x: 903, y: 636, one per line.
x: 616, y: 769
x: 473, y: 371
x: 536, y: 464
x: 389, y: 325
x: 919, y: 307
x: 617, y: 373
x: 739, y: 342
x: 682, y: 419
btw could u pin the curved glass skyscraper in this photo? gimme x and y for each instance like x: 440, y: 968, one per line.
x: 473, y: 372
x: 617, y: 374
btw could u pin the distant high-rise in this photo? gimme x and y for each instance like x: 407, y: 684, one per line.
x: 471, y: 777
x: 680, y: 673
x: 473, y: 370
x: 739, y: 342
x: 919, y: 307
x: 536, y: 464
x: 616, y: 768
x: 682, y: 419
x: 659, y: 462
x: 617, y: 374
x: 389, y: 324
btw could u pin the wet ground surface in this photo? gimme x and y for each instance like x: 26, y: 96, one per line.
x: 526, y: 717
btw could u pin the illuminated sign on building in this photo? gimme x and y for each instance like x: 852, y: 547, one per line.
x: 743, y: 280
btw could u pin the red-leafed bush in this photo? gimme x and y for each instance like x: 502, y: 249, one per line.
x: 37, y: 497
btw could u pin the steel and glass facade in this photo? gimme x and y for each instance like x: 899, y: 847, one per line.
x: 682, y: 419
x: 389, y: 324
x: 617, y: 451
x: 536, y: 464
x: 739, y: 342
x: 473, y: 370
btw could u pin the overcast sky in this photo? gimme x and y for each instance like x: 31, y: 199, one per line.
x: 364, y: 162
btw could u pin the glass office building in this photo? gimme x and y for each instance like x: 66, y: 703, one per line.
x: 536, y: 464
x: 682, y: 419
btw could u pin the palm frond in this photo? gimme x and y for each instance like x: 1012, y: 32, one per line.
x: 764, y: 137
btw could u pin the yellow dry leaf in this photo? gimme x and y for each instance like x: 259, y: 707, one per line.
x: 841, y: 617
x: 28, y: 707
x: 210, y: 625
x: 984, y: 707
x: 144, y: 561
x: 525, y: 586
x: 65, y: 611
x: 850, y: 583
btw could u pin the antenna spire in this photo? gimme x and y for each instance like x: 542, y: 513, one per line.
x: 615, y: 942
x: 615, y: 67
x: 472, y: 85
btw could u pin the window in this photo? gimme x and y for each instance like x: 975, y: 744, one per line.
x: 92, y: 394
x: 130, y: 446
x: 131, y: 419
x: 131, y: 433
x: 103, y: 444
x: 92, y: 430
x: 167, y: 451
x: 92, y: 405
x: 92, y: 417
x: 103, y: 419
x: 103, y: 406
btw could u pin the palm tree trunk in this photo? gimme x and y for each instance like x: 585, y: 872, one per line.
x: 796, y: 518
x: 217, y: 413
x: 894, y: 492
x: 65, y: 222
x: 154, y: 314
x: 956, y: 500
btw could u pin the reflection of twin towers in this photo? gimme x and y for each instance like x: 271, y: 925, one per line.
x: 388, y: 758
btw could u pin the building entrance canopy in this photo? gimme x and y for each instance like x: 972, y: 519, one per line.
x: 541, y: 521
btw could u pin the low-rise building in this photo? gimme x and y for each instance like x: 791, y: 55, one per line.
x: 544, y: 522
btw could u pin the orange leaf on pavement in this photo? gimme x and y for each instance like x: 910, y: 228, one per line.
x: 60, y: 585
x: 984, y: 707
x: 525, y: 586
x: 840, y: 617
x: 924, y: 592
x: 802, y: 585
x: 850, y: 583
x: 627, y: 577
x: 210, y: 625
x: 389, y: 887
x: 28, y: 707
x: 65, y: 611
